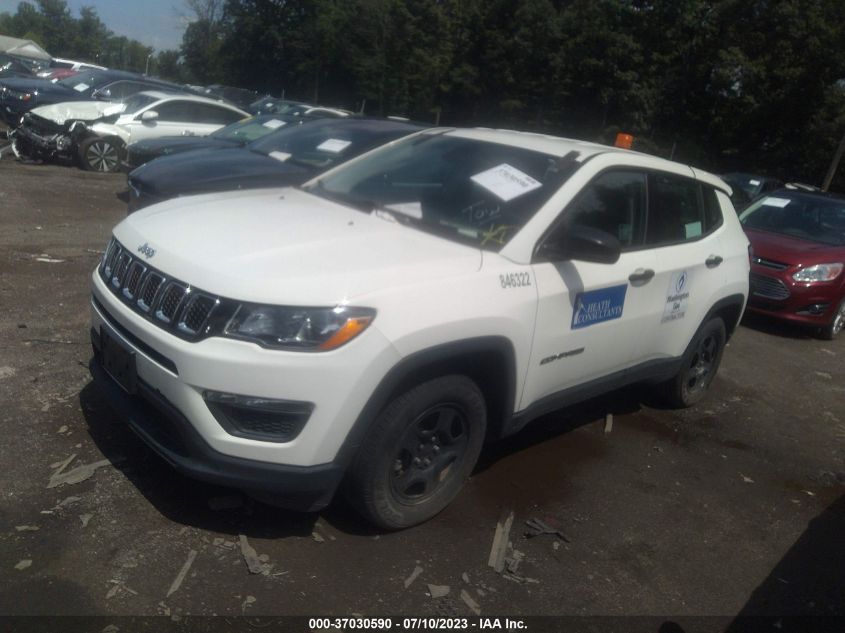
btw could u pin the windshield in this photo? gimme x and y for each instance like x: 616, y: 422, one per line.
x: 321, y: 144
x: 744, y: 187
x: 136, y: 102
x: 463, y: 189
x: 250, y: 129
x: 814, y: 218
x: 85, y: 81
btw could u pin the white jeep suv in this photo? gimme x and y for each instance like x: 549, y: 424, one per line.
x: 377, y: 324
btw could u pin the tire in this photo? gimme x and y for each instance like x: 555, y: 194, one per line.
x: 99, y: 154
x: 419, y: 452
x: 699, y: 365
x: 836, y: 325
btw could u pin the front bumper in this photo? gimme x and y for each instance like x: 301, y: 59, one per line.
x: 169, y: 433
x: 777, y: 295
x: 174, y: 374
x: 40, y: 146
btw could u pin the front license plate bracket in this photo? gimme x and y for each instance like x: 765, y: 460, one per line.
x: 119, y: 362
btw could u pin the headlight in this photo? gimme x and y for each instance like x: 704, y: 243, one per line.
x: 283, y: 327
x: 16, y: 94
x: 819, y: 272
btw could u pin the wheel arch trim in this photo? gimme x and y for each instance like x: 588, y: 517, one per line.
x: 454, y: 353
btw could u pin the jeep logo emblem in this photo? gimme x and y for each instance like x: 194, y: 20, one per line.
x: 146, y: 251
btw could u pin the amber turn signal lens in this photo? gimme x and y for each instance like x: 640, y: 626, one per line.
x: 352, y: 328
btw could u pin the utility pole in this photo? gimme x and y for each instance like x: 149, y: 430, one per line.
x: 147, y: 66
x: 831, y: 171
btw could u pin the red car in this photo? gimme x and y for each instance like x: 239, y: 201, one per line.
x: 798, y: 256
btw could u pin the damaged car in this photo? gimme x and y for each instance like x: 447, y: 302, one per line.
x: 96, y: 133
x: 19, y: 95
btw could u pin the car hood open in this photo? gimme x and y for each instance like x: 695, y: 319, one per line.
x: 288, y: 246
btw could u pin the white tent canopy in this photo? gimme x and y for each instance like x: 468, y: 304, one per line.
x: 23, y: 48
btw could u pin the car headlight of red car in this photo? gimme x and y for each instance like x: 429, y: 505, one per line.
x: 818, y: 272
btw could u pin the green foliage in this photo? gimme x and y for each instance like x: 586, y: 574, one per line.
x: 51, y: 24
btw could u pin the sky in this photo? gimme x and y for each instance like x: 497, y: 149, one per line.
x: 155, y: 23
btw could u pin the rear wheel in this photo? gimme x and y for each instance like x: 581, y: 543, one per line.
x: 99, y: 154
x: 698, y: 367
x: 419, y: 453
x: 837, y: 323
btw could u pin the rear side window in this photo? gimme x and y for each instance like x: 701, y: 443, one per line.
x: 615, y: 203
x: 712, y: 209
x: 674, y: 212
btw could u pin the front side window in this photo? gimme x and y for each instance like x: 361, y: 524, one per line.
x: 175, y: 111
x: 477, y: 192
x: 615, y: 203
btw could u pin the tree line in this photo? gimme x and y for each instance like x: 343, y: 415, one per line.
x: 752, y: 85
x: 50, y: 24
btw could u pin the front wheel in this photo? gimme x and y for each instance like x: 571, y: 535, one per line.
x: 419, y: 453
x: 99, y: 154
x: 699, y: 365
x: 836, y: 325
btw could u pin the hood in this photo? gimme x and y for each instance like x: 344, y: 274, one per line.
x: 44, y: 88
x: 793, y: 250
x: 213, y: 170
x: 167, y: 145
x: 78, y: 111
x: 287, y: 246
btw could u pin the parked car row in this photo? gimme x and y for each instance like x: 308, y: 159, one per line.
x: 107, y: 120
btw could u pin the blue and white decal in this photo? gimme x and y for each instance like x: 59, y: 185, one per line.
x: 597, y: 306
x: 677, y: 297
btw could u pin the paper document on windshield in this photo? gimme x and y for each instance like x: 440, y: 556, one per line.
x: 506, y: 182
x: 334, y: 145
x: 81, y: 87
x: 776, y: 202
x: 279, y: 156
x: 273, y: 124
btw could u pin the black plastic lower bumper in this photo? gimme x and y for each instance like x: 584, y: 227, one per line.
x: 166, y: 430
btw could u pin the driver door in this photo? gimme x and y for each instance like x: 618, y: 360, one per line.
x: 590, y: 315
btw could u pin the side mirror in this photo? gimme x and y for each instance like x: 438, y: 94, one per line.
x: 102, y: 93
x: 149, y: 116
x: 582, y: 243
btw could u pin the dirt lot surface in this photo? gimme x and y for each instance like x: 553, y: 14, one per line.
x: 734, y: 506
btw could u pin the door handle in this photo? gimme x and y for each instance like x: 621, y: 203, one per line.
x: 641, y: 275
x: 713, y: 261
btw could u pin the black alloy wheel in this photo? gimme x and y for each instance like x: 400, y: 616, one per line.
x: 432, y: 444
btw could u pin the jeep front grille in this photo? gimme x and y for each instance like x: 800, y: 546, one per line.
x: 768, y: 287
x: 169, y: 303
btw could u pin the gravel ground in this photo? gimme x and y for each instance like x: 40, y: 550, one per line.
x: 733, y: 507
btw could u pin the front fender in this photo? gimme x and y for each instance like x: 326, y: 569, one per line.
x: 110, y: 130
